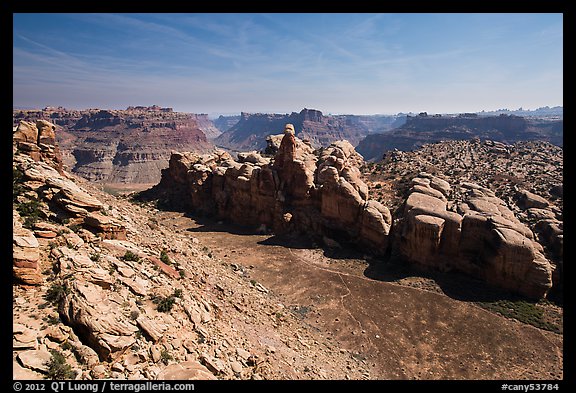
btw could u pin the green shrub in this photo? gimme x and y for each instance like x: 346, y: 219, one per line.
x: 58, y: 368
x: 130, y: 256
x: 30, y: 211
x: 523, y: 311
x: 164, y: 257
x: 177, y: 293
x: 56, y: 293
x: 166, y: 304
x: 17, y: 178
x: 166, y: 356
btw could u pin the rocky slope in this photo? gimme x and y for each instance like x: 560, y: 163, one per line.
x: 422, y: 129
x: 526, y: 177
x: 124, y: 146
x: 103, y: 289
x: 443, y: 224
x: 250, y: 132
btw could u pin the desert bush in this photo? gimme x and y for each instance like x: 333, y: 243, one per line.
x: 165, y: 304
x: 56, y: 292
x: 165, y: 258
x: 165, y: 356
x: 130, y: 256
x: 58, y: 368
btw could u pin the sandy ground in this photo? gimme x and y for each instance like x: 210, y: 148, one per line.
x: 407, y: 328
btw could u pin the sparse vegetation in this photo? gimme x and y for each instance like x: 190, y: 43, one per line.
x: 134, y: 314
x: 66, y: 345
x: 95, y: 256
x: 130, y: 256
x: 165, y: 258
x: 165, y: 356
x: 56, y: 293
x: 17, y: 178
x: 31, y: 212
x: 522, y: 310
x: 58, y: 369
x: 165, y: 304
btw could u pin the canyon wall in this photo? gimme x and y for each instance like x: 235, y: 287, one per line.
x: 124, y: 146
x: 251, y: 130
x: 419, y: 130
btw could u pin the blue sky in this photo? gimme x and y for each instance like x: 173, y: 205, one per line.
x: 336, y: 63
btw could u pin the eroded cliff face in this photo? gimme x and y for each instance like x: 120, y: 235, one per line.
x: 419, y: 130
x: 250, y: 130
x: 125, y: 146
x: 462, y: 227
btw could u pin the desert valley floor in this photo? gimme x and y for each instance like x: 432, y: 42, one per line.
x: 402, y: 327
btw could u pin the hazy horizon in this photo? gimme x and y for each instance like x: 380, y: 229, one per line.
x: 281, y: 63
x: 214, y: 115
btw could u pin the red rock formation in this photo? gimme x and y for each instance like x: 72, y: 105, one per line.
x: 484, y: 239
x: 38, y: 140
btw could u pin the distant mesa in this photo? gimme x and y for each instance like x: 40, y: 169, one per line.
x: 153, y: 108
x: 252, y: 129
x: 424, y: 128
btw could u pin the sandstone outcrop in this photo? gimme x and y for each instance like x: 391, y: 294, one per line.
x: 38, y: 141
x: 122, y: 296
x: 483, y: 238
x: 316, y: 192
x: 526, y: 177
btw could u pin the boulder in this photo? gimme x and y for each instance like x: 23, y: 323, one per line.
x: 107, y: 227
x: 421, y: 236
x: 375, y: 224
x: 26, y: 132
x: 26, y: 257
x: 253, y: 157
x: 94, y: 311
x: 527, y: 200
x: 487, y: 241
x: 35, y: 359
x: 46, y: 132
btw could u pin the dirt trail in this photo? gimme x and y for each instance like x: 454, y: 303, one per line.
x: 396, y: 331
